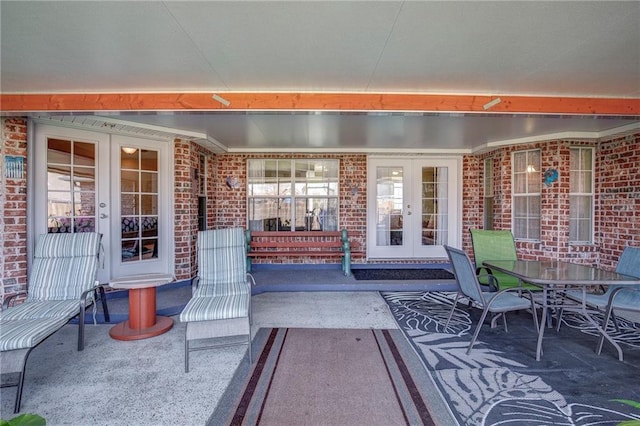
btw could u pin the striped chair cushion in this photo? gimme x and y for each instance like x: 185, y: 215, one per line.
x: 215, y: 308
x: 42, y: 309
x: 222, y: 264
x: 64, y: 266
x: 27, y: 333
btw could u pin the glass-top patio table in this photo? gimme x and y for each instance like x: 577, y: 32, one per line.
x: 555, y: 276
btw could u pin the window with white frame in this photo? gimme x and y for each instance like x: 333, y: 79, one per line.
x: 292, y: 194
x: 581, y: 195
x: 526, y: 194
x: 488, y: 193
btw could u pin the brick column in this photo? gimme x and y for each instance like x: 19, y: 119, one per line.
x: 13, y: 209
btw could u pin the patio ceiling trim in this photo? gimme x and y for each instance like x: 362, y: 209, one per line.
x: 322, y: 101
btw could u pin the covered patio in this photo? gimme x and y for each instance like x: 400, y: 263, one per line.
x: 405, y: 124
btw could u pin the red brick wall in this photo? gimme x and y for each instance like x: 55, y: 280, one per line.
x: 13, y: 209
x: 472, y: 197
x: 186, y: 191
x: 617, y: 197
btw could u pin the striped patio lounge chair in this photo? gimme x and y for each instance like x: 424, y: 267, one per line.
x: 221, y: 301
x: 62, y: 280
x: 17, y: 340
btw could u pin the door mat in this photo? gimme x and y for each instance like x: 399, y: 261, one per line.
x: 331, y: 377
x: 401, y: 274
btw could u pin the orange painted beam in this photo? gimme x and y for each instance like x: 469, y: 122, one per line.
x: 240, y: 101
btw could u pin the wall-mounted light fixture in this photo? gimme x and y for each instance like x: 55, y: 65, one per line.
x: 550, y: 176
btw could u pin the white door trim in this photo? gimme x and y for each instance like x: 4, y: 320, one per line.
x: 107, y: 191
x: 412, y: 247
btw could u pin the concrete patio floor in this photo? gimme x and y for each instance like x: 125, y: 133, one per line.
x: 143, y: 382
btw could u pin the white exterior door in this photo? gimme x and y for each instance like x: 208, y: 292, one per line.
x: 413, y: 207
x: 118, y: 186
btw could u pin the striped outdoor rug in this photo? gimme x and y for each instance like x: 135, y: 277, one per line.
x: 329, y: 377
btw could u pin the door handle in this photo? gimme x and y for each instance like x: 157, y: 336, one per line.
x: 103, y: 216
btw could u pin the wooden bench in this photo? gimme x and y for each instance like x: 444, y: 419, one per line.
x: 299, y: 244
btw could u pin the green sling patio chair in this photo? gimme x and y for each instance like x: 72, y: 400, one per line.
x: 62, y: 280
x: 495, y: 245
x: 500, y: 302
x: 221, y: 302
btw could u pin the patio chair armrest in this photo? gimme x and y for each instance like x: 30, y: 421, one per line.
x: 618, y: 290
x: 493, y: 282
x: 86, y: 293
x: 481, y: 268
x: 195, y: 281
x: 7, y: 301
x: 251, y: 279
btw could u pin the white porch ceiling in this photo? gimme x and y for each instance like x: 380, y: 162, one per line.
x: 559, y: 48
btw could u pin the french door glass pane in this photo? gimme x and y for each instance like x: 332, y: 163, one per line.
x: 139, y: 204
x: 389, y: 203
x: 71, y: 191
x: 435, y: 201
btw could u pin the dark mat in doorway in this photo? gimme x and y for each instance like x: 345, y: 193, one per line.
x: 401, y: 274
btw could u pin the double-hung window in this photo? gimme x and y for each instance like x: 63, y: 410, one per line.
x: 526, y: 194
x: 581, y: 195
x: 292, y: 194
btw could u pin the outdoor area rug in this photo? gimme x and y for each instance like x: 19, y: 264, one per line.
x: 401, y: 274
x: 501, y: 383
x: 331, y: 377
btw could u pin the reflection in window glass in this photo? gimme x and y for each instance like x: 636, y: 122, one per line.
x: 389, y: 203
x: 139, y: 204
x: 581, y: 195
x: 527, y: 181
x: 435, y: 202
x: 488, y: 194
x: 292, y: 195
x: 71, y: 192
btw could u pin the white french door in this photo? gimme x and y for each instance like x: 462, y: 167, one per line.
x: 413, y: 207
x: 118, y: 186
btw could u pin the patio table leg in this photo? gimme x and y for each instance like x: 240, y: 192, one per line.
x: 542, y: 324
x: 603, y: 334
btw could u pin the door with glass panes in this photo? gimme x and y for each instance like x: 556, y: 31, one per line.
x: 114, y: 185
x: 413, y: 207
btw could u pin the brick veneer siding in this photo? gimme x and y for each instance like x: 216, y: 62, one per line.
x: 617, y: 197
x: 186, y: 192
x: 472, y: 198
x: 13, y: 209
